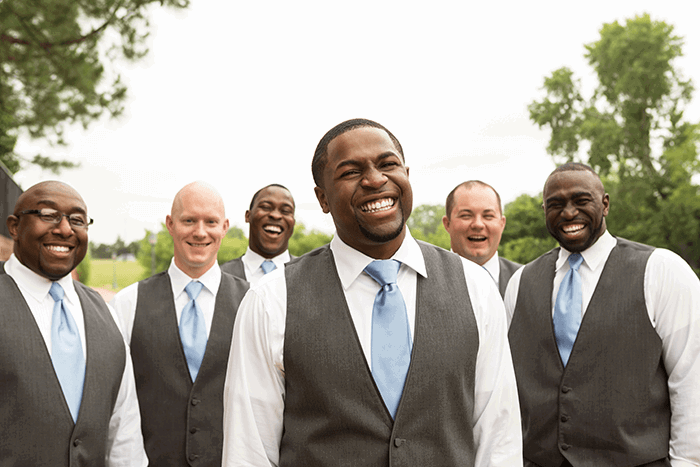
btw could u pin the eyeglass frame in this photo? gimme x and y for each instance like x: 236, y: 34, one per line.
x: 38, y: 212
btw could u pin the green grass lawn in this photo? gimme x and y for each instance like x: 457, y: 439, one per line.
x: 102, y: 272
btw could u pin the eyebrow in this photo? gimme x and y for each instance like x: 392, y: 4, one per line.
x: 382, y: 156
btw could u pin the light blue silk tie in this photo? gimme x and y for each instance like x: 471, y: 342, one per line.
x: 67, y: 351
x: 192, y: 332
x: 567, y: 309
x: 268, y: 266
x: 391, y: 339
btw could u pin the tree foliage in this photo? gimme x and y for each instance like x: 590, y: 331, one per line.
x: 425, y: 223
x: 632, y: 130
x: 525, y: 236
x: 52, y: 66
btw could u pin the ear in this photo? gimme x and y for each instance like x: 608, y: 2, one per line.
x: 606, y: 204
x: 13, y: 226
x: 503, y: 222
x: 247, y: 216
x: 169, y: 224
x: 322, y: 200
x: 446, y: 222
x: 225, y: 226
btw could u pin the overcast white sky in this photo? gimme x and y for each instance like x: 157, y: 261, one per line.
x: 239, y: 93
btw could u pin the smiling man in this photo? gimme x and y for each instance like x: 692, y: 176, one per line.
x: 179, y: 326
x: 376, y: 349
x: 604, y: 335
x: 475, y: 222
x: 66, y: 377
x: 271, y: 221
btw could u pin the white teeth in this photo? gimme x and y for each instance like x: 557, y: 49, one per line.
x: 60, y: 249
x: 273, y: 228
x: 572, y: 228
x: 199, y: 244
x: 379, y: 205
x: 476, y: 238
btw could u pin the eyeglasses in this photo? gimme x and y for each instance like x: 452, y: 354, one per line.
x: 80, y: 221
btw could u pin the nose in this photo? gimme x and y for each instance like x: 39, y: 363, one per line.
x: 63, y: 228
x: 373, y: 178
x: 570, y: 210
x: 199, y: 230
x: 478, y: 222
x: 275, y: 214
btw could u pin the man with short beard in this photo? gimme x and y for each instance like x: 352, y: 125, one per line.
x: 604, y: 334
x: 337, y: 362
x: 271, y: 225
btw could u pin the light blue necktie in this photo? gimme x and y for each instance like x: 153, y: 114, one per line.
x: 268, y: 266
x: 391, y: 339
x: 567, y: 309
x: 67, y: 351
x: 192, y: 332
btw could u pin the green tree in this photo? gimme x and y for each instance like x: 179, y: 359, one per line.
x: 302, y: 241
x: 633, y: 132
x: 425, y: 223
x: 52, y: 66
x: 525, y: 236
x: 163, y: 251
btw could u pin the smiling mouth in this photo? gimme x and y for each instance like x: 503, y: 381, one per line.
x: 58, y: 248
x: 198, y: 245
x: 573, y: 229
x: 476, y: 238
x: 378, y: 205
x: 272, y: 229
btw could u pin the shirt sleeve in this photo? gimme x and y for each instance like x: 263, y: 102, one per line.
x: 511, y: 296
x: 497, y: 429
x: 672, y: 294
x: 254, y: 390
x: 123, y: 307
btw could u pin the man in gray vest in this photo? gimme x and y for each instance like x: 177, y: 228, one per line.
x: 66, y: 378
x: 475, y: 221
x: 179, y: 325
x: 271, y: 221
x: 376, y: 349
x: 605, y: 335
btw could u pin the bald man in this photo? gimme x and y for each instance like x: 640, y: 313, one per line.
x: 179, y: 325
x: 67, y: 380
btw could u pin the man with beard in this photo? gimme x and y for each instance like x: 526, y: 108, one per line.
x: 376, y: 349
x: 179, y: 325
x: 475, y: 221
x: 65, y: 375
x: 605, y: 337
x: 271, y: 221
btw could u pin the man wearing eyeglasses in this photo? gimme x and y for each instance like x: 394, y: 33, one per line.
x: 68, y: 381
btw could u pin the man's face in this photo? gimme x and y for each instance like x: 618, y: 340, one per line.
x: 271, y: 222
x: 366, y: 190
x: 50, y: 250
x: 575, y: 206
x: 475, y: 224
x: 197, y: 224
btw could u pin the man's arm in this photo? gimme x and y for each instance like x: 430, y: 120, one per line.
x: 497, y: 428
x: 672, y: 293
x: 254, y: 389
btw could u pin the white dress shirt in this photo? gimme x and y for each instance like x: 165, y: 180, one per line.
x: 124, y: 302
x: 493, y: 266
x: 672, y: 296
x: 255, y: 389
x: 252, y: 262
x: 124, y: 439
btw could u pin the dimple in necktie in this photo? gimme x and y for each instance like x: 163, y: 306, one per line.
x: 192, y: 332
x: 567, y: 309
x: 268, y: 266
x: 391, y: 339
x: 67, y: 351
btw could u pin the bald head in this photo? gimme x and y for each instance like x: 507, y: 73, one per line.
x: 44, y: 189
x: 201, y: 191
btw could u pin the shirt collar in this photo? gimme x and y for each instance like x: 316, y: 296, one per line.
x: 350, y: 262
x: 594, y: 257
x: 38, y: 286
x: 253, y: 260
x: 179, y: 280
x: 493, y: 267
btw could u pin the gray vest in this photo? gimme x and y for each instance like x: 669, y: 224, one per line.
x: 36, y: 427
x: 334, y: 414
x: 508, y: 268
x: 235, y: 267
x: 182, y: 422
x: 610, y: 406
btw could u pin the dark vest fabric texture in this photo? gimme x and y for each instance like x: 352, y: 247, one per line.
x: 235, y: 267
x: 334, y: 414
x: 36, y: 427
x: 182, y: 422
x: 508, y: 268
x: 610, y: 405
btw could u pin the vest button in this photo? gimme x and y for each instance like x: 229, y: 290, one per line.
x: 398, y: 442
x: 565, y: 389
x: 77, y: 442
x: 193, y: 457
x: 195, y: 401
x: 193, y: 430
x: 565, y: 447
x: 564, y: 418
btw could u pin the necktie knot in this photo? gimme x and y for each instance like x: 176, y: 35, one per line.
x: 384, y: 271
x: 56, y: 292
x: 268, y: 266
x: 193, y: 289
x: 575, y: 261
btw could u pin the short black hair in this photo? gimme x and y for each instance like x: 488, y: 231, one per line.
x: 252, y: 201
x: 449, y: 202
x: 318, y: 164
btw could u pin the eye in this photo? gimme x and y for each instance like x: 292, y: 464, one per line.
x: 77, y: 220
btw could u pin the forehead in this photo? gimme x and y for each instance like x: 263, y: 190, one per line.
x: 571, y: 182
x: 359, y: 143
x: 53, y: 195
x: 477, y: 197
x: 199, y: 201
x: 274, y: 194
